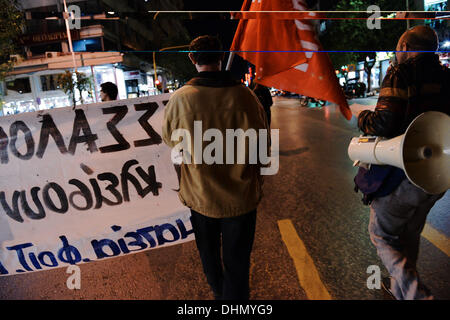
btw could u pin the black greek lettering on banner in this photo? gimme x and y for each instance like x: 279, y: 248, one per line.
x: 109, y: 176
x: 13, y: 213
x: 64, y: 204
x: 154, y: 137
x: 49, y: 129
x: 26, y: 208
x: 91, y: 195
x: 97, y: 193
x: 120, y: 112
x: 83, y: 192
x: 81, y: 124
x: 13, y: 131
x: 150, y: 178
x: 3, y: 146
x: 126, y: 177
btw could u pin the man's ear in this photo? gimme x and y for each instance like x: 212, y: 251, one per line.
x: 191, y: 57
x: 405, y: 46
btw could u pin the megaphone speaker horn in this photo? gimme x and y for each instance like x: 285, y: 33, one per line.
x: 423, y: 152
x: 426, y: 152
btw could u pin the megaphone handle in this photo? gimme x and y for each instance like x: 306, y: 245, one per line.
x: 364, y: 165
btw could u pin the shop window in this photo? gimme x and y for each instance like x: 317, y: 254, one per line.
x: 132, y: 88
x: 50, y: 82
x: 20, y: 85
x: 90, y: 45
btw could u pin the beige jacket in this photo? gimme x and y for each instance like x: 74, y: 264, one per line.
x: 216, y: 190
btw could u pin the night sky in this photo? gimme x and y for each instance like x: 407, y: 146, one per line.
x: 216, y: 24
x: 211, y: 23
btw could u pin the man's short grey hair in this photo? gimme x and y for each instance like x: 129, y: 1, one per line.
x: 421, y: 38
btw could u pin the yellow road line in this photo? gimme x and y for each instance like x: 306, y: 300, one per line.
x: 436, y: 238
x: 306, y: 270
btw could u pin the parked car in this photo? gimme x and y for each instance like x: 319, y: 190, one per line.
x: 306, y: 101
x: 353, y: 88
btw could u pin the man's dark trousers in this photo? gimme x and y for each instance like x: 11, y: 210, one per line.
x: 235, y: 237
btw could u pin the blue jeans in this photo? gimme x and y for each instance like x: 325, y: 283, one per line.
x: 396, y: 222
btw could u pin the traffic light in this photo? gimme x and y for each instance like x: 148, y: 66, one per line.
x: 158, y: 85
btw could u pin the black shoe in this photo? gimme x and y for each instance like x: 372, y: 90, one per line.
x: 386, y: 285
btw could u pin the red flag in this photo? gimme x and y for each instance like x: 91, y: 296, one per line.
x: 274, y: 45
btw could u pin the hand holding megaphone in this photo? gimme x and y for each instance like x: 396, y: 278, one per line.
x: 423, y: 151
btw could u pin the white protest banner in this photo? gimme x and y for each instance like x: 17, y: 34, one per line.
x: 87, y: 184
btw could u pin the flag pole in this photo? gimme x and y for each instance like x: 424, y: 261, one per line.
x: 231, y: 56
x: 230, y: 61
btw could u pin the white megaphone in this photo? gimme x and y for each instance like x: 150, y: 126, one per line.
x: 423, y: 151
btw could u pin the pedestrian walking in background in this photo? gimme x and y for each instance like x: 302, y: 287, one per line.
x: 108, y: 91
x: 264, y: 96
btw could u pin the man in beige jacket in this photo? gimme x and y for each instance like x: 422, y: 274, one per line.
x: 222, y: 194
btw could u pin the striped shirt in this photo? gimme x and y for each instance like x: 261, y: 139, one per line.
x: 418, y: 85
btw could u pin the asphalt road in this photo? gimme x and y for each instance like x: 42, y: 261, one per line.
x: 313, y: 192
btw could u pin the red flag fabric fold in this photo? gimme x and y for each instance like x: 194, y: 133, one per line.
x: 279, y: 50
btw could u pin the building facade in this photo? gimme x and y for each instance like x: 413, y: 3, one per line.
x: 441, y: 26
x: 107, y: 44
